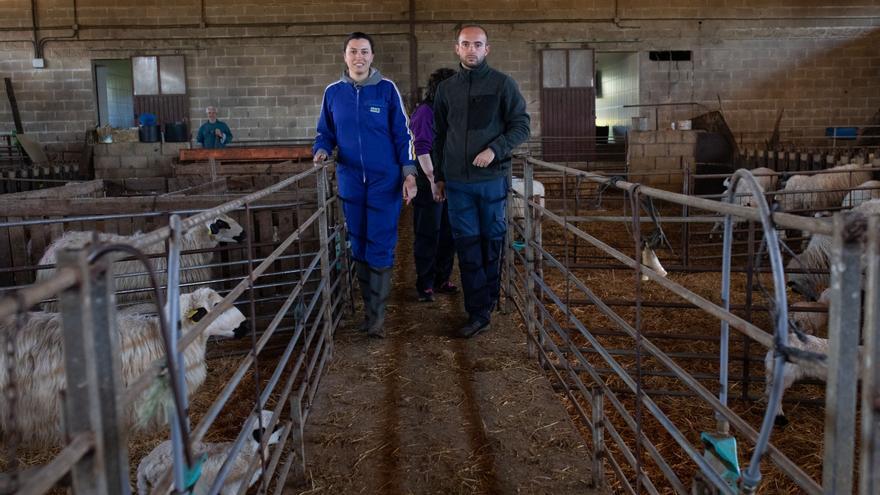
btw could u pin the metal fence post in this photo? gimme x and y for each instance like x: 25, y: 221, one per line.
x: 843, y: 334
x: 507, y: 252
x: 598, y: 419
x: 91, y: 353
x: 325, y: 258
x: 172, y: 316
x: 528, y: 176
x: 869, y: 482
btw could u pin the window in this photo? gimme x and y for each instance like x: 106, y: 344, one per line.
x: 162, y: 75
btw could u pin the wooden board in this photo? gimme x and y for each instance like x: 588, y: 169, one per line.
x: 72, y: 190
x: 226, y: 170
x: 246, y: 154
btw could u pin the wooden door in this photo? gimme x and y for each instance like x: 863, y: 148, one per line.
x: 568, y: 105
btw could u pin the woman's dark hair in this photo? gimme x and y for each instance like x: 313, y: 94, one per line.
x: 436, y: 78
x: 357, y: 35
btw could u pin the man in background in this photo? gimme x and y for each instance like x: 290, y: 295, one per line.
x: 214, y: 133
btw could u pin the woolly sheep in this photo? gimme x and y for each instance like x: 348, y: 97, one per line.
x: 821, y: 191
x: 865, y: 192
x: 39, y: 361
x: 159, y: 462
x: 518, y: 208
x: 812, y: 317
x: 794, y: 372
x: 766, y: 179
x: 221, y: 229
x: 816, y: 258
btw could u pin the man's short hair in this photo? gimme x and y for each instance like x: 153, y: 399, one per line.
x: 465, y: 26
x: 209, y: 108
x: 357, y: 35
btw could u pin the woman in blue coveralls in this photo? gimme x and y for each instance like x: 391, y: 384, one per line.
x: 363, y: 116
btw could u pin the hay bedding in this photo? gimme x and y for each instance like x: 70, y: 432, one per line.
x: 801, y: 440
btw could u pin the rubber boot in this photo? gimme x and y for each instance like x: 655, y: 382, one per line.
x: 380, y: 285
x: 363, y: 275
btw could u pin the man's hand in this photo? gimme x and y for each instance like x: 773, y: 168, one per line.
x: 433, y: 187
x: 320, y: 157
x: 218, y: 133
x: 410, y: 189
x: 484, y: 158
x: 440, y: 192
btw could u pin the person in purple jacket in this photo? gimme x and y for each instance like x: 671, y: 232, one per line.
x: 433, y: 246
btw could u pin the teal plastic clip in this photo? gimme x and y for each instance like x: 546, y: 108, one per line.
x: 723, y: 450
x: 191, y: 476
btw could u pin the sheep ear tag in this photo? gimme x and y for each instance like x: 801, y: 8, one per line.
x: 197, y: 314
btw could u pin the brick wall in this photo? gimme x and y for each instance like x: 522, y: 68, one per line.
x: 265, y: 63
x: 126, y: 160
x: 659, y: 158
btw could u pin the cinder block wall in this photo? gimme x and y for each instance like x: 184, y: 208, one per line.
x: 658, y: 158
x: 265, y: 63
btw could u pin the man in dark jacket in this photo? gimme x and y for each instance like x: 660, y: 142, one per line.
x: 479, y: 118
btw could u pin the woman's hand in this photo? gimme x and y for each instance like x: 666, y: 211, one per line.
x: 409, y: 188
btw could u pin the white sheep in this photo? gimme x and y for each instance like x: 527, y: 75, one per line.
x: 129, y: 276
x: 812, y: 317
x: 765, y: 178
x: 39, y: 360
x: 816, y: 258
x: 160, y: 460
x: 518, y: 208
x: 795, y: 372
x: 865, y: 192
x: 821, y: 191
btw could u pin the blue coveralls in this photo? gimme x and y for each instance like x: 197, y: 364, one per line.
x: 368, y: 124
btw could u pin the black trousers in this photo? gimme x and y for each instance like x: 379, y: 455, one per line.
x: 433, y: 247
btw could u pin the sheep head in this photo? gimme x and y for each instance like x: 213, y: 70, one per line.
x: 257, y: 433
x: 195, y: 305
x: 225, y: 229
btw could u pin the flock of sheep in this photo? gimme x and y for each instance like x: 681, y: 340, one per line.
x: 845, y: 187
x: 38, y: 362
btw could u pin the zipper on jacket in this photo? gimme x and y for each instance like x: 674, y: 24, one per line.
x: 357, y: 111
x: 467, y: 127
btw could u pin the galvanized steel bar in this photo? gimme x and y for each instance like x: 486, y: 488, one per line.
x: 781, y: 219
x: 843, y: 354
x: 599, y: 450
x: 528, y: 177
x: 81, y: 400
x: 172, y: 317
x: 869, y: 479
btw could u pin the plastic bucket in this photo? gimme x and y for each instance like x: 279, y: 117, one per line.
x: 176, y: 132
x: 148, y: 133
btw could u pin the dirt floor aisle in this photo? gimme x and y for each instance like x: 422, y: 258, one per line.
x: 425, y: 412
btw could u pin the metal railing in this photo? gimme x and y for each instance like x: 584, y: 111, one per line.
x: 315, y: 301
x: 589, y: 367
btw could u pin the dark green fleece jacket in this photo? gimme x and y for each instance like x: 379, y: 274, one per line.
x: 473, y: 110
